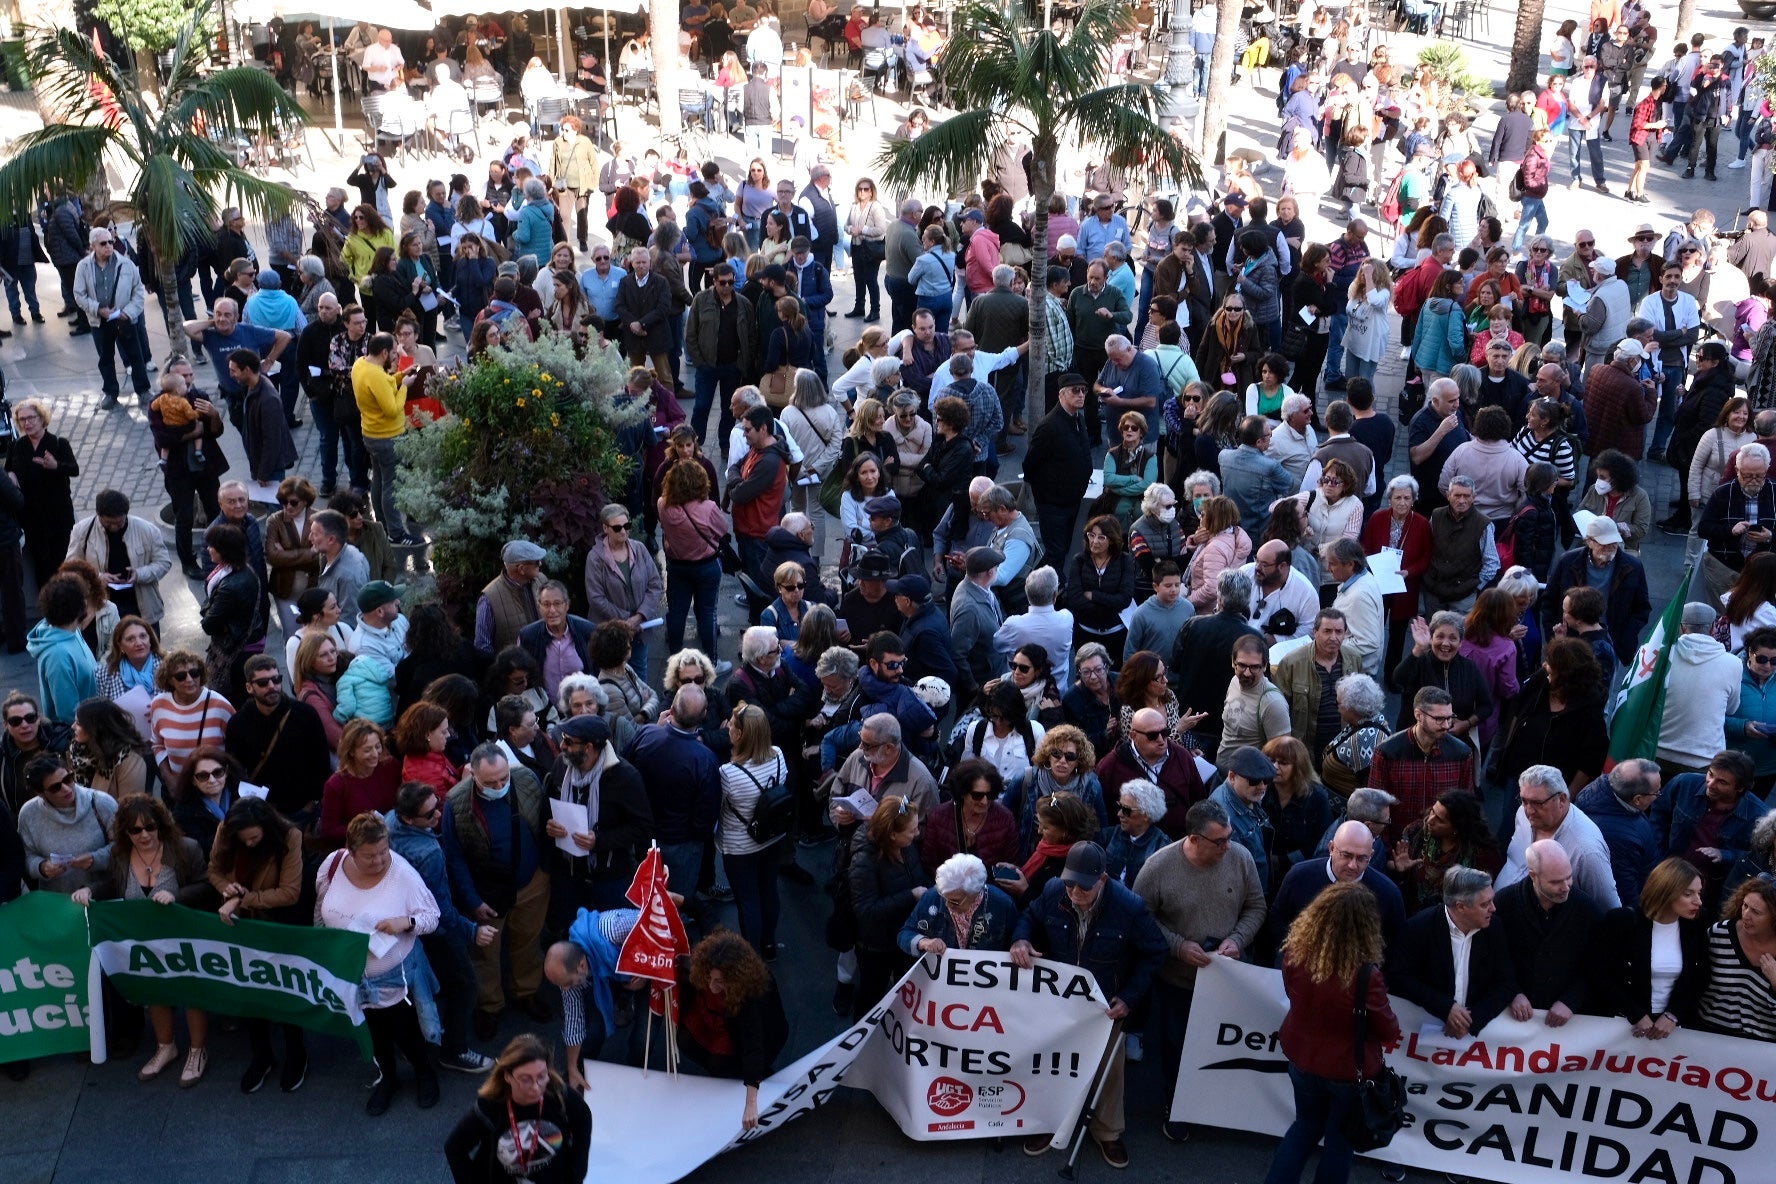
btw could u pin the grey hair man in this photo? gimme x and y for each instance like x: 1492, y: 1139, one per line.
x: 1452, y: 961
x: 882, y: 766
x: 1041, y: 624
x: 1621, y: 805
x: 1546, y: 811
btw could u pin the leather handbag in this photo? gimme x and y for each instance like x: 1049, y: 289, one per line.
x: 1380, y: 1110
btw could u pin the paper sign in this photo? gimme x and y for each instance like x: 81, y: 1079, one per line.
x: 1095, y: 486
x: 381, y: 943
x: 1385, y: 566
x: 862, y: 803
x: 573, y: 816
x: 1287, y: 646
x: 1204, y: 769
x: 1582, y: 519
x: 428, y: 301
x: 248, y: 790
x: 263, y: 491
x: 135, y: 702
x: 1306, y: 313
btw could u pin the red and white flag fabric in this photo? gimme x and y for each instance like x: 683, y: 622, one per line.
x: 652, y: 948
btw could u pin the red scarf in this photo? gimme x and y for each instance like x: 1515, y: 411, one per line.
x: 1044, y: 852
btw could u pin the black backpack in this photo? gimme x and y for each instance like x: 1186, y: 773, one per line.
x: 774, y: 812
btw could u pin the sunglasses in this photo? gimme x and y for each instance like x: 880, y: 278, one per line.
x: 894, y: 663
x: 980, y: 795
x: 1127, y: 811
x: 263, y: 682
x: 181, y: 676
x: 1022, y: 667
x: 19, y: 721
x: 57, y: 785
x: 1065, y: 755
x: 1153, y: 735
x: 617, y: 526
x: 790, y: 587
x: 149, y: 829
x: 209, y: 775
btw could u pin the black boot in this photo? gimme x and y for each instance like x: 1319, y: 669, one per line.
x: 582, y: 227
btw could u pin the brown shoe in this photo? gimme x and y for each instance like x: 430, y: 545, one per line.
x: 1038, y: 1144
x: 1115, y: 1152
x: 1017, y: 428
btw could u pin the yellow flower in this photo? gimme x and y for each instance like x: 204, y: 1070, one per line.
x: 537, y: 391
x: 521, y: 401
x: 554, y: 421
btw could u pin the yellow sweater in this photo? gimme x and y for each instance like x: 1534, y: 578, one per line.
x: 381, y: 401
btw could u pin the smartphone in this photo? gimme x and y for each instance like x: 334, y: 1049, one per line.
x: 1005, y: 871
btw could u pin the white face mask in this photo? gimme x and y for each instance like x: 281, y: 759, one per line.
x: 493, y: 795
x: 1168, y: 514
x: 1601, y: 486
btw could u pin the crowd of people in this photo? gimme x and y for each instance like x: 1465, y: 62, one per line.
x: 1128, y: 709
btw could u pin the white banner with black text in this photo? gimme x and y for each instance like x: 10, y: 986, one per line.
x: 1523, y: 1102
x: 966, y: 1046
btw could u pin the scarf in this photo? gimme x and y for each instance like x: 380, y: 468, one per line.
x: 1227, y: 331
x: 1033, y: 696
x: 963, y: 923
x: 582, y: 787
x: 144, y: 677
x: 1044, y: 852
x: 221, y: 572
x: 1047, y: 786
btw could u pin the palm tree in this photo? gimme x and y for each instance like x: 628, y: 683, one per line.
x: 181, y: 175
x: 1526, y: 47
x: 1010, y: 77
x: 1214, y: 119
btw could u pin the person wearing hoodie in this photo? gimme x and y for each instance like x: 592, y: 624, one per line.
x: 273, y: 308
x: 1701, y: 691
x: 67, y: 672
x: 66, y: 829
x: 413, y: 835
x: 533, y: 231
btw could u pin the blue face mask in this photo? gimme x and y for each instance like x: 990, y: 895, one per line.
x: 493, y: 795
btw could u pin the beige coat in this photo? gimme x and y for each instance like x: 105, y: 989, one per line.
x: 147, y: 551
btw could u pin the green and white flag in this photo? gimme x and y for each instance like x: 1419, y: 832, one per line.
x: 43, y: 957
x: 1640, y: 702
x: 290, y: 974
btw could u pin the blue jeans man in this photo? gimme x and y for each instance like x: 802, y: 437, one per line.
x: 1199, y: 69
x: 23, y: 276
x: 1670, y: 395
x: 1334, y: 369
x: 1592, y: 146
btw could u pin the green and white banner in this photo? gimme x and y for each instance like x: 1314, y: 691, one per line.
x: 290, y: 974
x: 43, y: 957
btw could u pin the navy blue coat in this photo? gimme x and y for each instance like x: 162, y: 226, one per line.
x: 1124, y: 948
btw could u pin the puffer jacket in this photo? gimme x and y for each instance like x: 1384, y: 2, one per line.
x: 1440, y: 341
x: 365, y: 692
x: 533, y: 232
x: 1261, y: 284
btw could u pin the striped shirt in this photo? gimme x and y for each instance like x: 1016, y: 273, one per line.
x: 740, y: 786
x: 1560, y: 450
x: 1739, y: 1001
x: 180, y: 731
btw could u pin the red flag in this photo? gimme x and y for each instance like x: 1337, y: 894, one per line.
x: 651, y: 950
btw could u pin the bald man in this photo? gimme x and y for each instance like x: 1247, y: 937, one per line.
x: 1548, y: 926
x: 1350, y: 859
x: 1283, y: 600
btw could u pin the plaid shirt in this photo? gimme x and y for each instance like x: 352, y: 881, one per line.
x: 986, y: 418
x: 284, y: 238
x: 1058, y: 355
x: 1416, y: 777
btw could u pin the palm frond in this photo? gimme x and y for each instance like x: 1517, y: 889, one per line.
x: 57, y: 158
x: 951, y: 154
x: 173, y: 207
x: 259, y: 197
x: 64, y: 68
x: 235, y: 100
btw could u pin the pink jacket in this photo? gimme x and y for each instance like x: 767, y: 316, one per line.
x: 1230, y: 548
x: 982, y: 258
x: 1498, y: 666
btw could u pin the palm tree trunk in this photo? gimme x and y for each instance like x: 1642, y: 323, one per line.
x: 663, y: 28
x: 1043, y: 154
x: 166, y: 277
x: 147, y: 72
x: 1686, y: 16
x: 1214, y: 119
x: 1526, y: 46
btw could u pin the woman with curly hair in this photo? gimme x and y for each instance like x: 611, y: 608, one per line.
x: 1065, y: 763
x: 1143, y: 684
x: 608, y: 652
x: 733, y: 1021
x: 1452, y: 833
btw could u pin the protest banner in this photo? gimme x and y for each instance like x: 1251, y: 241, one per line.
x: 290, y: 974
x: 1523, y: 1102
x: 966, y: 1046
x: 43, y: 993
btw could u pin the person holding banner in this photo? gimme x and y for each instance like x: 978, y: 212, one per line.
x: 525, y: 1124
x: 886, y: 879
x: 369, y: 885
x: 961, y: 912
x: 1332, y: 951
x: 1654, y: 966
x: 151, y: 860
x: 256, y: 866
x: 733, y: 1020
x: 1087, y: 920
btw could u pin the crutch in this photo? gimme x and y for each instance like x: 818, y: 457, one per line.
x: 1091, y: 1106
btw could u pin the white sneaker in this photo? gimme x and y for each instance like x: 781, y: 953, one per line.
x: 1132, y: 1048
x: 1736, y: 164
x: 196, y: 1062
x: 163, y: 1056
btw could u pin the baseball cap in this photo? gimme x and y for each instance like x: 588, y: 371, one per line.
x: 377, y: 593
x: 1603, y: 530
x: 1085, y: 865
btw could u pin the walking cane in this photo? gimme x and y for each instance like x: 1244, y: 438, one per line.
x: 1083, y: 1124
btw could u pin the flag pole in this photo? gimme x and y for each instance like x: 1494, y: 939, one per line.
x: 647, y: 1044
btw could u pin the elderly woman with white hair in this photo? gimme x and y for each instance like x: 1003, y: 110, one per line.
x: 912, y: 438
x: 1399, y: 527
x: 961, y: 912
x: 315, y: 285
x: 1155, y: 536
x: 583, y: 694
x: 1522, y: 586
x: 1135, y: 835
x: 1362, y: 714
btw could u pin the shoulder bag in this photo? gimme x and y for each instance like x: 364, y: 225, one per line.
x: 1380, y: 1111
x: 724, y: 547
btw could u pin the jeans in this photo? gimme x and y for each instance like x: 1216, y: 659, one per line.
x: 120, y: 335
x: 1145, y: 299
x: 754, y: 881
x: 456, y: 989
x: 683, y: 862
x: 1320, y: 1107
x: 1272, y: 332
x: 1670, y: 395
x: 902, y: 300
x: 1335, y: 364
x: 1534, y: 210
x: 1355, y: 367
x: 1199, y: 71
x: 24, y: 276
x: 322, y: 410
x: 382, y: 485
x: 939, y: 310
x: 1681, y: 131
x: 357, y: 458
x: 688, y: 581
x: 1576, y: 142
x: 709, y: 379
